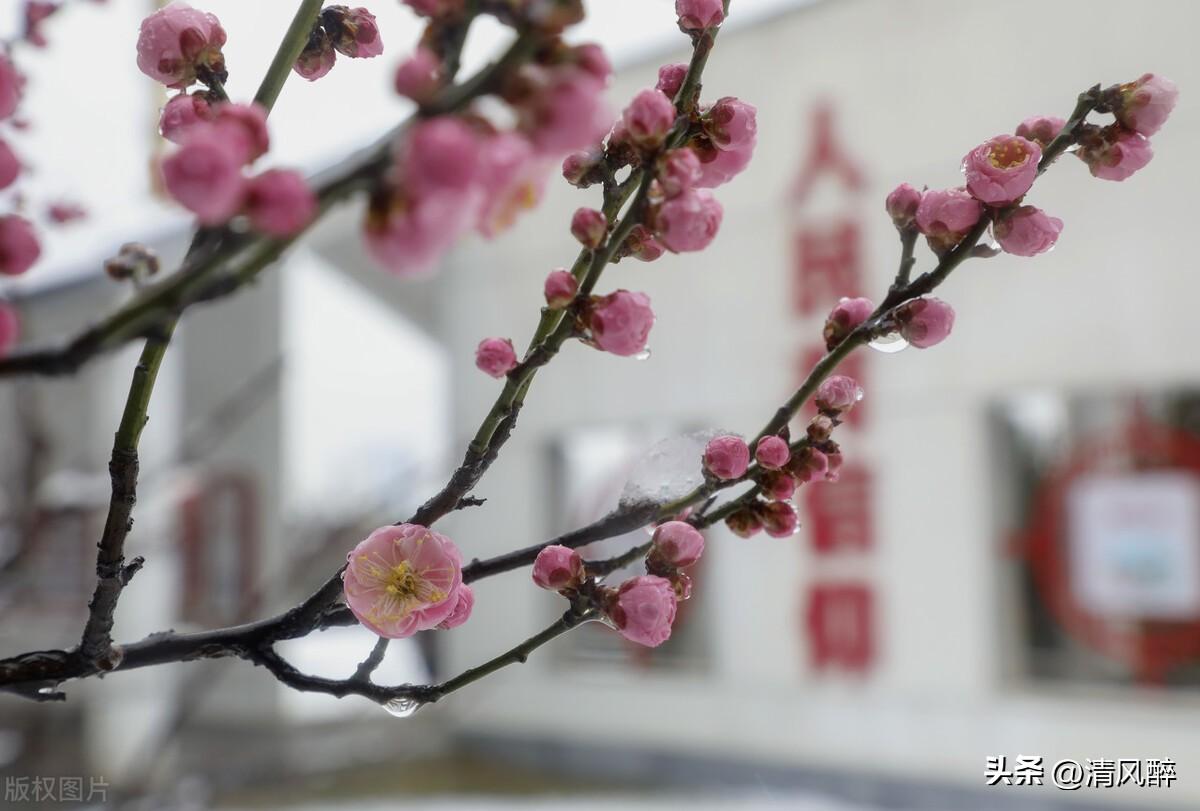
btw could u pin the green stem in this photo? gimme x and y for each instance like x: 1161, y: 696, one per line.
x: 288, y: 52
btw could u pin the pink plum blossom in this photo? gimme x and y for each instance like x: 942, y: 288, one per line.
x: 833, y: 466
x: 440, y: 154
x: 463, y: 605
x: 176, y: 42
x: 744, y: 523
x: 408, y: 235
x: 578, y: 168
x: 925, y: 322
x: 568, y: 113
x: 11, y: 85
x: 419, y: 76
x: 1146, y: 103
x: 280, y: 203
x: 838, y: 394
x: 205, y: 176
x: 779, y: 485
x: 678, y: 543
x: 244, y: 129
x: 592, y: 58
x: 779, y: 519
x: 808, y: 464
x: 946, y: 215
x: 844, y: 318
x: 318, y: 56
x: 689, y: 221
x: 403, y: 579
x: 679, y: 170
x: 1041, y: 129
x: 181, y: 113
x: 727, y: 457
x: 10, y: 328
x: 495, y: 356
x: 644, y: 610
x: 558, y: 567
x: 670, y: 79
x: 772, y: 452
x: 731, y: 123
x: 902, y: 205
x: 352, y: 31
x: 649, y: 117
x: 589, y: 226
x: 1001, y: 169
x: 560, y: 288
x: 10, y: 165
x: 511, y: 177
x: 642, y: 245
x: 719, y: 166
x: 1116, y: 154
x: 621, y: 321
x: 1027, y: 231
x: 696, y: 15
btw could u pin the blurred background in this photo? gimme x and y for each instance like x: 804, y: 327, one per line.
x: 1009, y: 568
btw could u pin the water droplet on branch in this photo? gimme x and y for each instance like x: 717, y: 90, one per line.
x: 889, y: 344
x: 402, y: 707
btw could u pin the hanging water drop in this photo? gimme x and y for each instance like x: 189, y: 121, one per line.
x: 643, y: 355
x: 889, y: 344
x: 402, y: 707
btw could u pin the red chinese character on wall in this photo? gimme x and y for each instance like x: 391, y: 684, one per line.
x: 839, y: 514
x: 828, y: 266
x: 840, y: 622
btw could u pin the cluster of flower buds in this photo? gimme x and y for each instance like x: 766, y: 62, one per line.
x: 1140, y: 108
x: 922, y: 322
x: 339, y: 30
x: 407, y: 578
x: 642, y: 609
x: 179, y: 46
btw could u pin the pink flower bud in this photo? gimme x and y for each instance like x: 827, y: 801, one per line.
x: 205, y: 176
x: 642, y: 245
x: 1027, y: 231
x: 689, y: 221
x: 409, y: 234
x: 11, y: 85
x: 649, y: 117
x: 578, y: 167
x: 779, y: 519
x: 719, y: 166
x: 441, y: 154
x: 844, y: 318
x: 1146, y: 103
x: 352, y: 31
x: 1041, y: 129
x: 10, y: 328
x: 838, y: 394
x: 727, y: 457
x: 779, y: 485
x: 772, y: 452
x: 463, y: 604
x: 744, y: 523
x: 696, y: 15
x: 902, y: 205
x: 10, y: 165
x: 495, y: 356
x: 560, y: 288
x: 419, y: 76
x: 1001, y: 169
x: 318, y: 56
x: 403, y: 579
x: 808, y: 464
x: 183, y: 112
x: 946, y: 215
x: 280, y: 203
x: 590, y: 227
x: 670, y: 79
x: 644, y: 610
x: 244, y: 128
x: 1116, y: 154
x: 678, y: 543
x: 176, y: 42
x: 591, y: 58
x: 731, y: 123
x: 679, y: 170
x: 567, y: 113
x: 557, y: 568
x: 925, y: 322
x: 621, y: 322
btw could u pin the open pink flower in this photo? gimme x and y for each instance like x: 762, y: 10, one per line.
x: 1027, y: 231
x: 649, y: 117
x: 11, y: 85
x: 177, y: 41
x: 10, y: 328
x: 1041, y: 129
x: 844, y: 318
x: 511, y: 177
x: 352, y: 31
x: 644, y: 610
x: 19, y: 247
x: 689, y: 221
x: 727, y: 457
x: 403, y: 579
x: 678, y: 543
x: 1001, y: 169
x: 463, y: 605
x: 925, y: 322
x: 10, y: 165
x: 1147, y: 103
x: 495, y: 356
x: 837, y: 394
x: 408, y: 234
x: 696, y: 15
x: 558, y: 567
x: 946, y: 215
x: 205, y: 176
x: 642, y: 244
x: 772, y: 452
x: 280, y: 203
x: 621, y: 322
x: 1116, y: 154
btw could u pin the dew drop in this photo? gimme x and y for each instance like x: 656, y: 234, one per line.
x: 889, y: 344
x: 643, y: 355
x: 859, y: 394
x: 402, y: 707
x: 604, y: 620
